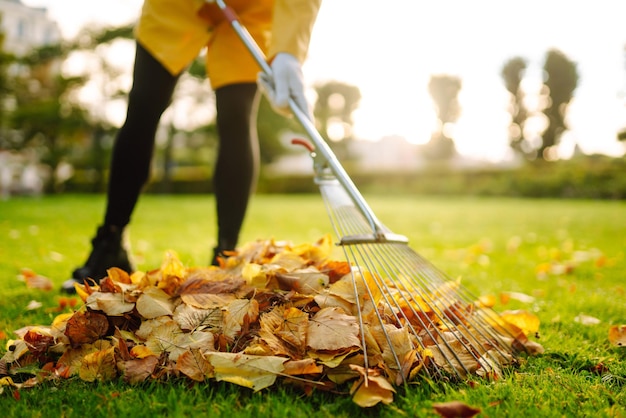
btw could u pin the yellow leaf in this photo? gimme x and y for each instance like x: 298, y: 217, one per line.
x: 141, y: 351
x: 254, y: 372
x: 99, y: 365
x: 371, y: 388
x: 524, y: 320
x: 617, y: 335
x: 254, y: 275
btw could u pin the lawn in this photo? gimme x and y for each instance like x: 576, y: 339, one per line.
x: 566, y: 256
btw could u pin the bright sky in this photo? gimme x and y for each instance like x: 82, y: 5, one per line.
x: 390, y: 52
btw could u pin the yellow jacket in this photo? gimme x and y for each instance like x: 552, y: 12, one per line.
x: 175, y: 31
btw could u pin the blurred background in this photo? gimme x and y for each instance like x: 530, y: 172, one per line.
x: 451, y: 97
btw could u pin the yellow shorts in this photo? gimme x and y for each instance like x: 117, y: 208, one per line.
x: 176, y: 31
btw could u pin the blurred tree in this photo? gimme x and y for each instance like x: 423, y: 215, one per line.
x: 444, y: 90
x: 560, y: 82
x: 512, y: 75
x: 45, y: 119
x: 335, y: 104
x: 5, y: 91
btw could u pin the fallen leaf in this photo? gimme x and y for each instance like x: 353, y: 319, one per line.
x: 154, y: 302
x: 254, y: 372
x: 617, y: 335
x: 331, y: 329
x: 35, y: 281
x: 586, y: 320
x: 138, y: 370
x: 524, y: 320
x: 33, y: 304
x: 194, y: 365
x: 455, y: 409
x: 86, y: 327
x: 99, y: 365
x: 112, y: 304
x: 371, y: 388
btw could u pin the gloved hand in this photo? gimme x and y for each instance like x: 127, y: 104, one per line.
x: 287, y: 81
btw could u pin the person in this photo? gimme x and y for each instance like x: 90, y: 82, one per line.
x: 170, y: 34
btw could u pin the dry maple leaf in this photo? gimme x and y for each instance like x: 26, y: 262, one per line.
x: 455, y: 409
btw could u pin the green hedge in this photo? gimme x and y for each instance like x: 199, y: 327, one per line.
x: 584, y: 177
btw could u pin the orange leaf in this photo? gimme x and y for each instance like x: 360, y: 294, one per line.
x: 455, y: 409
x: 617, y: 335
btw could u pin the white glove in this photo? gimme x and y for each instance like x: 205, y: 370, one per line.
x: 287, y: 82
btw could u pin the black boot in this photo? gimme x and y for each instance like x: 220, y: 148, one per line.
x: 218, y: 251
x: 107, y: 251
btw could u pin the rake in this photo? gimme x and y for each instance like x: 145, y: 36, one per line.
x: 412, y: 316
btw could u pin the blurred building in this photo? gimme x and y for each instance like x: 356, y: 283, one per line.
x: 26, y: 27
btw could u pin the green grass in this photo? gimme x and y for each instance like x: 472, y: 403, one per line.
x: 495, y: 245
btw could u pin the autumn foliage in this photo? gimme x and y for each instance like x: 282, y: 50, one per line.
x: 271, y: 310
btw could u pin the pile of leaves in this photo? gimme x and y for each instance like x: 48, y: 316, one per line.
x: 270, y: 310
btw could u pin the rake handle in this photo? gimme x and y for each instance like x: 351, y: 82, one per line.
x: 323, y: 150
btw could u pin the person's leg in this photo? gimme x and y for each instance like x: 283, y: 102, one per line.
x: 237, y: 162
x: 150, y: 95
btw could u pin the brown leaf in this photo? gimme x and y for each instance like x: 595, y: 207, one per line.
x: 38, y: 343
x: 86, y: 327
x: 194, y: 365
x: 138, y: 370
x: 455, y: 409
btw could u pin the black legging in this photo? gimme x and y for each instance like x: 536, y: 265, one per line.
x: 237, y: 160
